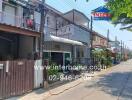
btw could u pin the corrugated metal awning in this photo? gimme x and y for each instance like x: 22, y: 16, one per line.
x: 18, y: 30
x: 62, y: 40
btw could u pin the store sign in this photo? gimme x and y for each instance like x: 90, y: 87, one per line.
x: 101, y: 13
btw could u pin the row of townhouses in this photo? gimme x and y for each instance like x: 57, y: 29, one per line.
x: 67, y: 35
x: 63, y: 38
x: 66, y: 40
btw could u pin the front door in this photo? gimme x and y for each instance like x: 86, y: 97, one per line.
x: 57, y: 58
x: 67, y: 58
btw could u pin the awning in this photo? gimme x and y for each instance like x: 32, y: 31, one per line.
x: 18, y: 30
x: 62, y: 40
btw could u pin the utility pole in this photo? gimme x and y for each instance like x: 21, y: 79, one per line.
x: 125, y: 52
x: 42, y: 25
x: 121, y: 49
x: 108, y: 32
x: 107, y: 45
x: 116, y: 47
x: 91, y: 37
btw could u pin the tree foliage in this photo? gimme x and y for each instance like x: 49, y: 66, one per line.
x: 121, y: 11
x: 104, y: 55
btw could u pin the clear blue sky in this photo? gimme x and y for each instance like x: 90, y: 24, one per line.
x: 99, y: 26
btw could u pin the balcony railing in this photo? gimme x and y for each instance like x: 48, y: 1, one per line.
x: 19, y: 21
x: 64, y: 31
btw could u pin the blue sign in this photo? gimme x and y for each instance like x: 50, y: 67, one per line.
x: 101, y: 13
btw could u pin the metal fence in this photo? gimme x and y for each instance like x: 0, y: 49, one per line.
x: 16, y: 77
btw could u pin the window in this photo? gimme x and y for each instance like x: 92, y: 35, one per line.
x: 69, y: 29
x: 82, y: 52
x: 47, y: 21
x: 94, y: 38
x: 58, y: 24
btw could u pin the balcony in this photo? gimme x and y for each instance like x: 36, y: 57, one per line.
x: 18, y: 22
x: 72, y: 32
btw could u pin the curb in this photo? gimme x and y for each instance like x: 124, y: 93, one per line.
x: 65, y: 87
x: 60, y: 89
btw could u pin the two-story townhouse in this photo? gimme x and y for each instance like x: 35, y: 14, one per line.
x: 66, y: 41
x: 99, y: 41
x: 18, y: 43
x: 80, y: 32
x: 60, y: 44
x: 17, y: 36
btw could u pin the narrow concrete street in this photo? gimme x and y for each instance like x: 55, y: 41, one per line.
x: 113, y: 84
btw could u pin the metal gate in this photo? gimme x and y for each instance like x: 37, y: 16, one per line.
x: 16, y: 77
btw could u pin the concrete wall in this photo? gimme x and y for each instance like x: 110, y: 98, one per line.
x: 26, y: 47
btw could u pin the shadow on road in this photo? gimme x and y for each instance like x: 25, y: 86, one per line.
x: 116, y: 84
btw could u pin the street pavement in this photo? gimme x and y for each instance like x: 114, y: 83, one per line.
x: 113, y: 84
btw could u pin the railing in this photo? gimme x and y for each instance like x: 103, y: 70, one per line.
x: 18, y: 21
x: 63, y: 31
x: 60, y: 32
x: 72, y: 32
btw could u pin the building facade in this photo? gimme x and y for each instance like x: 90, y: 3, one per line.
x: 67, y: 35
x: 65, y: 39
x: 99, y: 41
x: 17, y: 35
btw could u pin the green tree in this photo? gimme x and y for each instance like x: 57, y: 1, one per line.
x: 104, y: 55
x: 121, y: 11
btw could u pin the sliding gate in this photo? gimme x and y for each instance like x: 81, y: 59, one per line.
x: 16, y: 77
